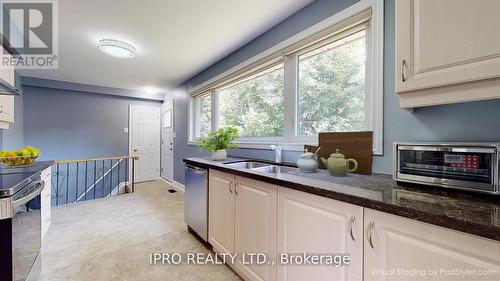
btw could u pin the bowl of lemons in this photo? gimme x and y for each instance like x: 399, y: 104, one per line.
x: 20, y: 158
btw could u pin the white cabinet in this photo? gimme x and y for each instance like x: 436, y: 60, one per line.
x: 255, y: 227
x: 447, y: 51
x: 221, y: 211
x: 396, y: 247
x: 6, y: 102
x: 317, y: 225
x: 242, y: 220
x: 46, y: 198
x: 249, y: 216
x: 6, y: 109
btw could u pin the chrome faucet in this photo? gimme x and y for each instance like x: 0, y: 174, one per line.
x: 277, y: 151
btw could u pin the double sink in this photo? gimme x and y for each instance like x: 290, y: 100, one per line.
x: 263, y: 167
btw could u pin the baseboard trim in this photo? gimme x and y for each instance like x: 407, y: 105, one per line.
x: 177, y: 185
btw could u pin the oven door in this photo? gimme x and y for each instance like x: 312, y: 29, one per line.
x: 461, y: 167
x: 26, y: 232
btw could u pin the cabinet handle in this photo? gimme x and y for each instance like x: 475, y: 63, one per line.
x: 230, y: 185
x: 236, y: 188
x: 349, y: 226
x: 370, y: 234
x: 403, y: 71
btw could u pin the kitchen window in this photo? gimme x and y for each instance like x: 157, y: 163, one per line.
x: 254, y: 105
x: 329, y: 81
x: 331, y: 95
x: 203, y: 115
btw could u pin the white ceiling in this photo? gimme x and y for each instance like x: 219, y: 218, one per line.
x: 175, y: 39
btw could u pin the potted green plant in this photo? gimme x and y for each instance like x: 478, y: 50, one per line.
x: 218, y: 142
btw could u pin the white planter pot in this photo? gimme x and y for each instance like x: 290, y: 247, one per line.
x: 219, y: 155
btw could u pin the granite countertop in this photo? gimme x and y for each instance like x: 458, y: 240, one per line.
x: 472, y: 213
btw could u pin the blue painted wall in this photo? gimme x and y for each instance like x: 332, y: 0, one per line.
x: 67, y: 124
x: 474, y: 121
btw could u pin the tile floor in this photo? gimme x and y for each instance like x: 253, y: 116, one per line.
x: 111, y: 239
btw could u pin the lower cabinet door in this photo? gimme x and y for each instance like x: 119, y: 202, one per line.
x: 221, y: 212
x: 317, y: 225
x: 398, y: 248
x: 255, y: 229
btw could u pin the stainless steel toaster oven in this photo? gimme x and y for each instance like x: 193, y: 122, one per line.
x: 466, y: 166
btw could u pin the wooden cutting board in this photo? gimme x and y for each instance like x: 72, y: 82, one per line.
x: 357, y: 145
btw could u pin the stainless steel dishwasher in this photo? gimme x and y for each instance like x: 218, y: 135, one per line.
x: 196, y: 200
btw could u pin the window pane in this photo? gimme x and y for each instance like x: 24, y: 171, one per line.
x: 204, y: 122
x: 331, y: 88
x: 254, y: 106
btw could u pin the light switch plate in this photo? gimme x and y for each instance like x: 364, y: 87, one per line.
x: 125, y: 130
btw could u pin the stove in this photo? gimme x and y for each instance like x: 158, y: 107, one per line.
x: 10, y: 184
x: 20, y: 225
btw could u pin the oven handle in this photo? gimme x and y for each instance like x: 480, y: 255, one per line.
x: 27, y: 198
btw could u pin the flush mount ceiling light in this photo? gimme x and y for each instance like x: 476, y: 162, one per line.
x: 117, y: 48
x: 152, y: 90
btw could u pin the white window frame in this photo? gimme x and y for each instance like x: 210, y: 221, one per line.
x: 374, y: 82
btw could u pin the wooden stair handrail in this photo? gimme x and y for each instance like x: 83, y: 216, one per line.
x: 96, y: 159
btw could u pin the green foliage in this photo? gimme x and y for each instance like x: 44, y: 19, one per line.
x: 220, y: 139
x: 331, y: 89
x: 254, y: 107
x: 205, y: 105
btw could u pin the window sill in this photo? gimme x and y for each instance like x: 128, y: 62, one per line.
x: 265, y: 145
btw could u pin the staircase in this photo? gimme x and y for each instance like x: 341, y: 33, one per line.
x: 74, y: 181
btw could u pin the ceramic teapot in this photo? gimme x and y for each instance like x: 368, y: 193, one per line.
x: 307, y: 163
x: 337, y: 165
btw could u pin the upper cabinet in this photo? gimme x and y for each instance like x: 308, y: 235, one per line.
x: 6, y: 101
x: 447, y: 51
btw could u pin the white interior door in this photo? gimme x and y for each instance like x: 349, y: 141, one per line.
x: 145, y: 141
x: 167, y: 141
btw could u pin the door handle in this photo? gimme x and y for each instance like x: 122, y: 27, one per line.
x: 403, y: 70
x: 135, y: 149
x: 39, y: 187
x: 370, y: 234
x: 349, y: 227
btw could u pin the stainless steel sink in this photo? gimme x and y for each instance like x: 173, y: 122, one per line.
x: 275, y: 169
x: 262, y: 167
x: 248, y: 164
